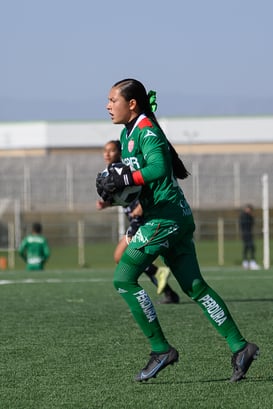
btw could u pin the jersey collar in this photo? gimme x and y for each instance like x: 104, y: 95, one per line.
x: 132, y: 124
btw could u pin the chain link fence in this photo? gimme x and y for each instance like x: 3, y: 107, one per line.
x: 67, y: 182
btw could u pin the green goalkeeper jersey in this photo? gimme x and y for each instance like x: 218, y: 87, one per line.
x: 146, y: 149
x: 35, y: 251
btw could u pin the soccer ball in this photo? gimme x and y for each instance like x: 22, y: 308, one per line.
x: 125, y: 196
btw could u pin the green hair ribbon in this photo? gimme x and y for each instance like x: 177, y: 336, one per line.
x: 152, y: 100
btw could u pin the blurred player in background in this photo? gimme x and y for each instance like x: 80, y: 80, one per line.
x: 167, y: 231
x: 158, y: 275
x: 34, y: 249
x: 246, y: 222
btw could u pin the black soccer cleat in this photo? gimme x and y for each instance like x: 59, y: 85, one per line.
x: 171, y: 298
x: 156, y: 363
x: 242, y: 360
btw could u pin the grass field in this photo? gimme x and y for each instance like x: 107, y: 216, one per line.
x: 69, y: 341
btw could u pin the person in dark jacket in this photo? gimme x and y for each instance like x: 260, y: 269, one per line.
x: 246, y: 222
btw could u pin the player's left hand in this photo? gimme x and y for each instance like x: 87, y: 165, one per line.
x: 101, y: 204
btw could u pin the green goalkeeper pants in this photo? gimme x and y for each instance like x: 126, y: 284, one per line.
x: 186, y: 270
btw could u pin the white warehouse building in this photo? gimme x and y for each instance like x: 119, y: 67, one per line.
x: 189, y: 134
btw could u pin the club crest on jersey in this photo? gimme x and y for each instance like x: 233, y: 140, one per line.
x: 131, y: 145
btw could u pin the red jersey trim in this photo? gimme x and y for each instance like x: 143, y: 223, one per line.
x: 145, y: 122
x: 138, y: 178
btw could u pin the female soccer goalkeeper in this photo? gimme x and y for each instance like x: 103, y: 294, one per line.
x: 158, y: 275
x: 167, y: 231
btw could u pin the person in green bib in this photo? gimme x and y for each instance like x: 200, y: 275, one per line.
x: 150, y: 161
x: 34, y: 249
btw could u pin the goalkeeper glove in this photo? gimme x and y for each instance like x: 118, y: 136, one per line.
x: 100, y: 188
x: 119, y: 177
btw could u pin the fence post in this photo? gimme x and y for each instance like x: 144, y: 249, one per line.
x: 265, y: 207
x: 237, y: 184
x: 11, y: 245
x: 220, y: 228
x: 17, y: 222
x: 121, y: 222
x: 195, y: 185
x: 27, y: 188
x: 81, y: 244
x: 69, y: 187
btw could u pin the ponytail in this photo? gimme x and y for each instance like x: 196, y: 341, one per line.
x: 179, y: 169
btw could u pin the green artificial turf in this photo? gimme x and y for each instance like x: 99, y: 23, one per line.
x: 68, y: 341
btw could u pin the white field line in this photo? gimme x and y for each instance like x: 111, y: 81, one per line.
x: 54, y: 281
x: 104, y: 280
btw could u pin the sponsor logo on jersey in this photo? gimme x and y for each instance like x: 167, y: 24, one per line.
x: 146, y: 305
x: 132, y: 162
x: 35, y: 239
x: 173, y: 229
x: 149, y: 133
x: 186, y: 209
x: 139, y: 238
x: 215, y: 312
x: 34, y: 260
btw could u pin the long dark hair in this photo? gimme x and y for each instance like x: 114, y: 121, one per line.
x: 134, y: 89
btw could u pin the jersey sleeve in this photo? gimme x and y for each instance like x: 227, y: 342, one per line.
x: 156, y: 153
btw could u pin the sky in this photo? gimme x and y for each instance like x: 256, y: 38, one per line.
x: 59, y: 58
